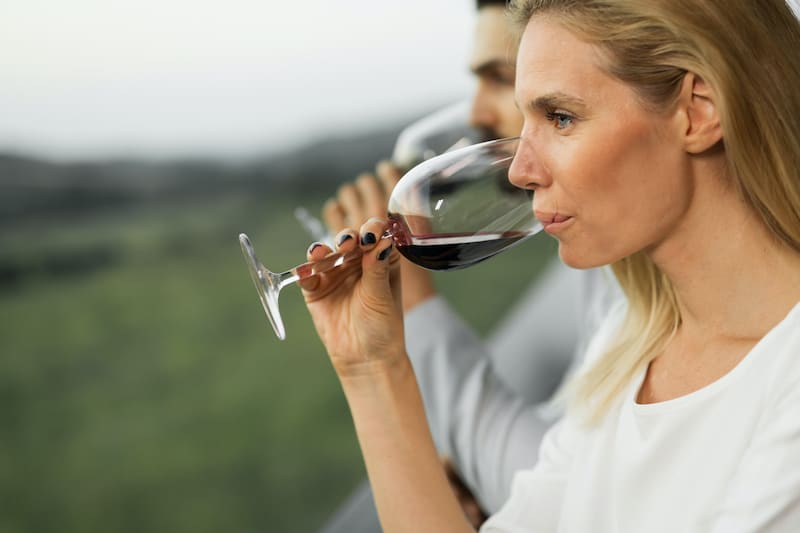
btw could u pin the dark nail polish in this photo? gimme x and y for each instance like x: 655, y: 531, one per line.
x: 368, y: 238
x: 384, y: 254
x: 344, y: 238
x: 313, y: 247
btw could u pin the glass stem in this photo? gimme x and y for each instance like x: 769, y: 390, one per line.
x: 312, y: 268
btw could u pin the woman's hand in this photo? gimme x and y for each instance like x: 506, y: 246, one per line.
x: 366, y: 197
x: 356, y: 310
x: 356, y: 306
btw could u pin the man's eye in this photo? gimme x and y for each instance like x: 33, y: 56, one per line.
x: 560, y: 120
x: 506, y: 79
x: 500, y: 78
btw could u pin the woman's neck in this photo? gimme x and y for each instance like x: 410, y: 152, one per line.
x: 733, y: 278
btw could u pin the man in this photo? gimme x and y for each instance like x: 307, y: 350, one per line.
x: 484, y: 401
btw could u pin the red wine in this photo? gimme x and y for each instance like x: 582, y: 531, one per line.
x: 450, y: 251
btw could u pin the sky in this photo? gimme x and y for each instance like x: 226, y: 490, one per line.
x: 234, y: 78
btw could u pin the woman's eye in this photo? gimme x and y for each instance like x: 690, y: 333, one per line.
x: 560, y: 120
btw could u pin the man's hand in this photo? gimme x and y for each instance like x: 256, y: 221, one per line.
x: 469, y: 504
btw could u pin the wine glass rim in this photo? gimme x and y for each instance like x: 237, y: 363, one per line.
x: 501, y: 140
x: 485, y: 144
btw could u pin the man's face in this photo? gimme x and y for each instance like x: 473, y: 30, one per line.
x: 493, y: 62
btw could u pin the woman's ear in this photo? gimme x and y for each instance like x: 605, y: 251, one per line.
x: 698, y: 102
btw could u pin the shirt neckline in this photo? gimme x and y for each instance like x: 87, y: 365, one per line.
x: 716, y: 385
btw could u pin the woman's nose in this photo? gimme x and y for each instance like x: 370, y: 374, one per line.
x: 527, y: 171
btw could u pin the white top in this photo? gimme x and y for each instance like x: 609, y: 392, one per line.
x: 723, y: 459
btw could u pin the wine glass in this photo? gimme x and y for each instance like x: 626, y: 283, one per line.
x: 449, y: 212
x: 441, y: 131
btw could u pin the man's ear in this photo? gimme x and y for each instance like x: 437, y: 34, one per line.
x: 698, y: 103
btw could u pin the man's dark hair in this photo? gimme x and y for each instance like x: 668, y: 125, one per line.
x: 484, y: 3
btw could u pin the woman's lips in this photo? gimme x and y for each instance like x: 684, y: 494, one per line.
x: 554, y: 222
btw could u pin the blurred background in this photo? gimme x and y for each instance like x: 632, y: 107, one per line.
x: 141, y: 387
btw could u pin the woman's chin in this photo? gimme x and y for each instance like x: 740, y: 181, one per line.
x: 581, y: 261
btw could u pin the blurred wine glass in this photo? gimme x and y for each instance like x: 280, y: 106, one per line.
x: 439, y: 132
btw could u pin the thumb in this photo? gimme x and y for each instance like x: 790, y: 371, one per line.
x: 377, y: 263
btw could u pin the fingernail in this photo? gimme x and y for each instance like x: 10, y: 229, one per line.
x: 344, y: 238
x: 313, y: 247
x: 368, y: 238
x: 384, y: 254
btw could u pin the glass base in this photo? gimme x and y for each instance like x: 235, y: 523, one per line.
x: 267, y: 286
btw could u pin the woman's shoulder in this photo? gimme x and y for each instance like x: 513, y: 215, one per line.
x: 780, y: 351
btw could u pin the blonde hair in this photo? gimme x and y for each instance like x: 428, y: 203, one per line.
x: 749, y: 53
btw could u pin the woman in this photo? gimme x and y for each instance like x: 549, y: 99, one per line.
x: 661, y: 137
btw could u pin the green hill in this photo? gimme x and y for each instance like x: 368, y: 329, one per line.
x: 141, y: 387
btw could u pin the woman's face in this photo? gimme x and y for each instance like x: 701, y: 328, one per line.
x: 610, y: 176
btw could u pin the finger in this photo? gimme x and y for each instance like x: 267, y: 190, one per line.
x: 346, y: 240
x: 376, y: 261
x: 473, y: 512
x: 350, y: 202
x: 370, y: 233
x: 465, y: 497
x: 319, y: 285
x: 333, y: 215
x: 389, y: 175
x: 315, y: 252
x: 372, y: 196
